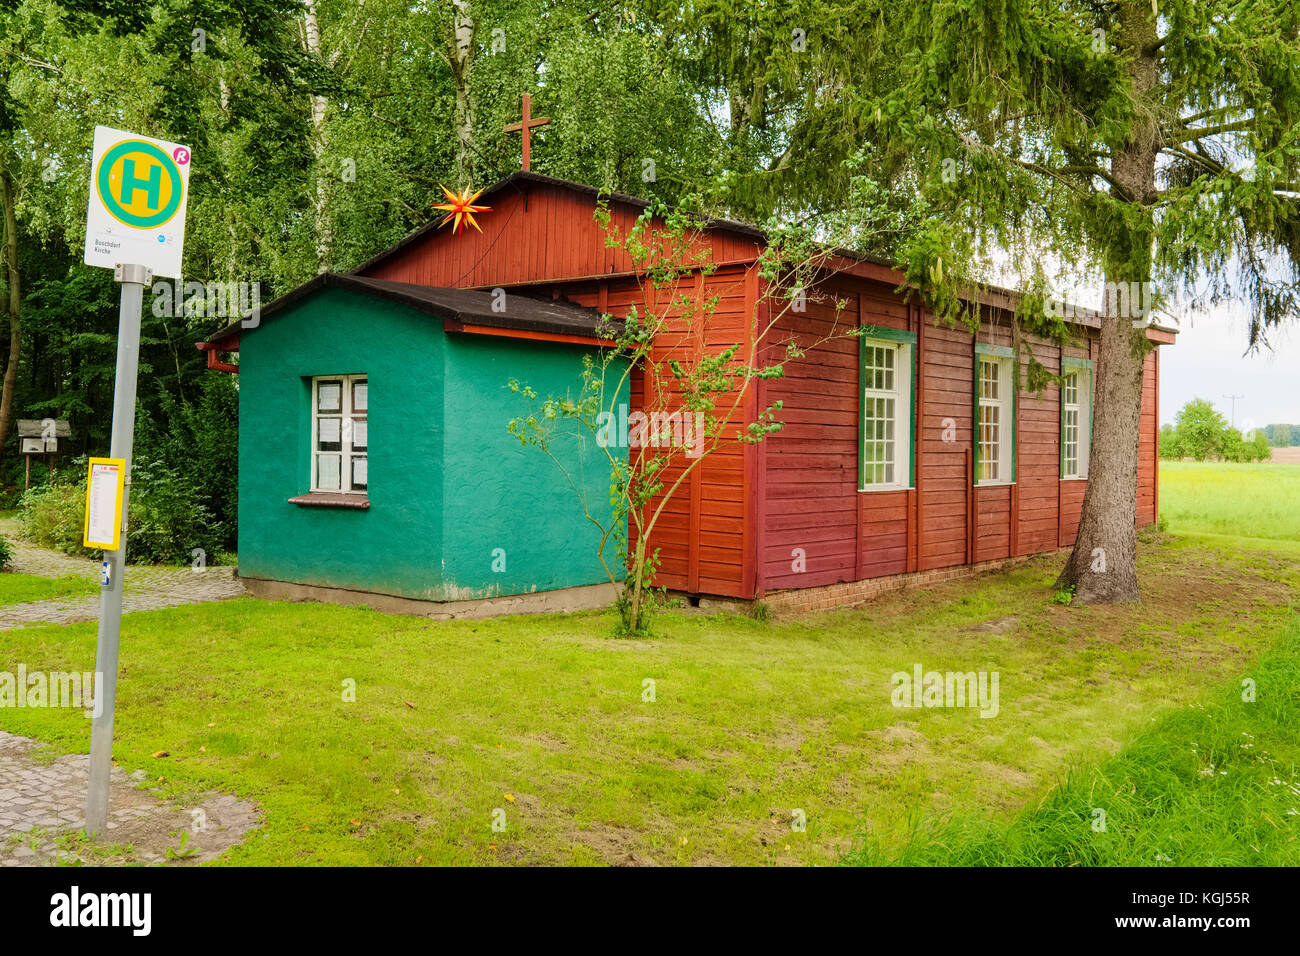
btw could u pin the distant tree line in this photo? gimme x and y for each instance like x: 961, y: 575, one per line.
x: 1202, y: 433
x: 1283, y: 436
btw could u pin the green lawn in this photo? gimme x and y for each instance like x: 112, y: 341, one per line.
x: 1233, y: 500
x: 1213, y: 783
x: 19, y: 588
x: 544, y: 718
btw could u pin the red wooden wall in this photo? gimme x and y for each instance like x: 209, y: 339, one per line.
x: 543, y: 233
x: 734, y: 526
x: 808, y: 471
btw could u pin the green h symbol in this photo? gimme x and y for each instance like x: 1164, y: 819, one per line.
x: 131, y: 182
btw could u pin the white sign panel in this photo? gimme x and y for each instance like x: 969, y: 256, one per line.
x: 104, y: 503
x: 138, y: 190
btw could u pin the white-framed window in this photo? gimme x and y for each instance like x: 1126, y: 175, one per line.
x: 996, y: 420
x: 1076, y: 421
x: 886, y: 415
x: 338, y: 433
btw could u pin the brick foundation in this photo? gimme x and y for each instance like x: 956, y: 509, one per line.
x: 853, y: 593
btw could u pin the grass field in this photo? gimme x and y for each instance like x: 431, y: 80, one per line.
x: 546, y: 719
x: 19, y: 588
x: 550, y: 725
x: 1215, y: 783
x: 1232, y: 500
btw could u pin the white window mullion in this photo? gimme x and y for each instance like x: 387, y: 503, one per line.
x: 995, y: 425
x: 339, y: 402
x: 886, y: 405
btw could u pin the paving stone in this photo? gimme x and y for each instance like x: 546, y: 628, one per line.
x: 30, y: 828
x: 147, y: 588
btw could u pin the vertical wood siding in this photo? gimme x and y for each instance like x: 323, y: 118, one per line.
x: 539, y: 235
x: 738, y: 524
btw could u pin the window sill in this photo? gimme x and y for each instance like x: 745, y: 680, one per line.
x: 332, y: 499
x: 880, y: 488
x: 994, y: 484
x: 1075, y: 478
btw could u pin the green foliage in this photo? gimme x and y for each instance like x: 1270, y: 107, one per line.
x: 1201, y: 429
x: 196, y: 444
x: 689, y: 408
x: 167, y: 521
x: 1203, y: 433
x: 1169, y: 444
x: 54, y: 516
x: 1282, y: 436
x: 6, y: 553
x: 183, y: 850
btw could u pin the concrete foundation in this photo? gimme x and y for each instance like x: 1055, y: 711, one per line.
x: 588, y: 598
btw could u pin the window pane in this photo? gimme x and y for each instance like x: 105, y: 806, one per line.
x: 327, y: 472
x: 328, y: 434
x: 329, y: 396
x: 359, y: 474
x: 359, y: 433
x: 359, y: 396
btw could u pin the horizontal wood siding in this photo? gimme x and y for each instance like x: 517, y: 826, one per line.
x: 1038, y: 468
x: 1150, y: 429
x: 815, y: 517
x: 946, y: 442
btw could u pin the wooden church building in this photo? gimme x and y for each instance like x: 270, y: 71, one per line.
x: 906, y: 454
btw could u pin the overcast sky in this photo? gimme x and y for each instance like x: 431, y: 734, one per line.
x: 1208, y: 362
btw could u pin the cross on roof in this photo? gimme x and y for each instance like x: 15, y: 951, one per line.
x: 525, y: 124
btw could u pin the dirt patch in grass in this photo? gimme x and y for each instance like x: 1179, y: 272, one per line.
x: 614, y: 845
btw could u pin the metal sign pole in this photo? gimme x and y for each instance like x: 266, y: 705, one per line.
x: 133, y: 279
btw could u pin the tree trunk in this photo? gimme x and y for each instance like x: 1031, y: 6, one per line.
x: 1103, y: 565
x: 460, y: 57
x: 15, y: 300
x: 319, y: 106
x: 633, y: 610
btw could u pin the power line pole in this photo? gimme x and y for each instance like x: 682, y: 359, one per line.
x: 1234, y: 407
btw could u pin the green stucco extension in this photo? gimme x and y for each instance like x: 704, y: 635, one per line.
x: 448, y: 484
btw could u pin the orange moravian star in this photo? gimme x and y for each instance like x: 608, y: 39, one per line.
x: 460, y: 209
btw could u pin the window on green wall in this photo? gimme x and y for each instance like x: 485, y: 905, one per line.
x: 885, y: 436
x: 338, y: 433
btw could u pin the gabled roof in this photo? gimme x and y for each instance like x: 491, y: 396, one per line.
x: 457, y: 307
x: 838, y: 258
x: 33, y: 428
x: 519, y: 181
x: 544, y: 317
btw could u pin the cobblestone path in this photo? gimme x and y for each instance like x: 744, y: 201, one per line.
x: 42, y: 810
x: 147, y: 588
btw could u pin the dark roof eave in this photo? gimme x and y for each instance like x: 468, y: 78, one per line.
x: 549, y: 316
